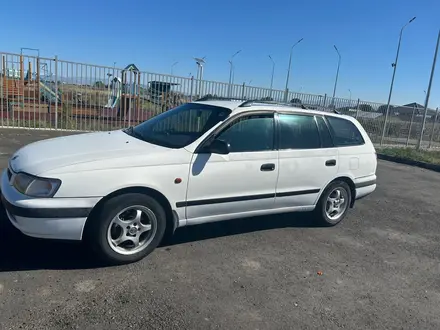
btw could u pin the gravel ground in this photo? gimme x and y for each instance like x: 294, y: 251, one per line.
x: 379, y: 269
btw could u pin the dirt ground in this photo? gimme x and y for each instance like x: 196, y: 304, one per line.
x: 379, y: 269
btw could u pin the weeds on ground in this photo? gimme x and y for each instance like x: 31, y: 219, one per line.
x: 66, y: 121
x: 22, y: 123
x: 427, y: 156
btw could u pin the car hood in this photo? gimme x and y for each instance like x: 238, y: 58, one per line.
x: 46, y: 155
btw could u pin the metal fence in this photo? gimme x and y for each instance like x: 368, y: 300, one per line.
x: 48, y: 93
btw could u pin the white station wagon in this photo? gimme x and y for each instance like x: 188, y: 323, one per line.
x: 121, y: 191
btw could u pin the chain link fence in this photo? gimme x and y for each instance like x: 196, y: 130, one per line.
x: 48, y: 93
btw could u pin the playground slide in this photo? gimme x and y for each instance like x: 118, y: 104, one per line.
x: 113, y: 102
x: 48, y: 93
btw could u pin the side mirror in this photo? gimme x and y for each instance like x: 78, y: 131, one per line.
x: 218, y: 147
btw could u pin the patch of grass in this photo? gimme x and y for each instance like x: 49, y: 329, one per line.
x: 25, y: 123
x: 427, y: 156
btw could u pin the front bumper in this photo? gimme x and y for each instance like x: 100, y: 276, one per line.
x: 55, y: 218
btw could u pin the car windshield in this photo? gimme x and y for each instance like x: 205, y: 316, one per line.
x: 180, y: 126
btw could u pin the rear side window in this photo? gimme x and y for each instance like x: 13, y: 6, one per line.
x: 298, y: 132
x: 344, y: 132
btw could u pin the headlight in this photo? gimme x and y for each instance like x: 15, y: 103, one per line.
x: 34, y: 186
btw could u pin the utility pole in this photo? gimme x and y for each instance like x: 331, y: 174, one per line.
x: 200, y: 62
x: 419, y: 144
x: 290, y: 64
x: 337, y: 74
x: 231, y: 70
x: 394, y: 65
x: 172, y: 67
x: 273, y: 71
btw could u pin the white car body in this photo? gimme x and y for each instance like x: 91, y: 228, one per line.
x: 198, y: 188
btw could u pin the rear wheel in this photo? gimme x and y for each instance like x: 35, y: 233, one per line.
x: 127, y: 228
x: 333, y: 204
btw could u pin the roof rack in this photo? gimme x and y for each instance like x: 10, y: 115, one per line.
x: 249, y: 103
x: 219, y: 98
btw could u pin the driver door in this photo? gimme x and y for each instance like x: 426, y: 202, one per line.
x: 241, y: 183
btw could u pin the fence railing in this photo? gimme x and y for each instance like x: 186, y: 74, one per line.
x: 49, y: 93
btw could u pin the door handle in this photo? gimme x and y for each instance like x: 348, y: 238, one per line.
x: 331, y: 162
x: 267, y: 167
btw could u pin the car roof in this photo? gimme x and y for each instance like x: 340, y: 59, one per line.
x: 238, y: 106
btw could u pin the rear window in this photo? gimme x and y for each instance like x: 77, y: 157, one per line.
x: 344, y: 132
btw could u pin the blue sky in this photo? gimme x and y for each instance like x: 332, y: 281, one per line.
x: 155, y: 34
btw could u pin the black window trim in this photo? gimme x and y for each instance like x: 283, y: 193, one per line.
x: 321, y: 145
x: 323, y: 117
x: 297, y: 114
x: 333, y: 137
x: 232, y: 118
x: 277, y: 130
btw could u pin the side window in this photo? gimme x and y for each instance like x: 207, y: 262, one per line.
x: 298, y: 132
x: 250, y: 133
x: 345, y: 133
x: 324, y: 132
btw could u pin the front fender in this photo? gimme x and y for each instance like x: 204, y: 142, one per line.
x: 100, y: 183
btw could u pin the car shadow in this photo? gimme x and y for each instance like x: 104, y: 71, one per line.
x: 239, y: 226
x: 20, y: 253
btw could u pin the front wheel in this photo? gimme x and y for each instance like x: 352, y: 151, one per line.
x: 333, y: 204
x: 127, y: 228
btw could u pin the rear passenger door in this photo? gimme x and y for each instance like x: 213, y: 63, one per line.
x: 308, y: 159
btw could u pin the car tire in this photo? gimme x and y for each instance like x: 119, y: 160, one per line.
x: 330, y: 209
x: 121, y: 223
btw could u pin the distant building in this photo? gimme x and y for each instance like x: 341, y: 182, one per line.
x: 406, y: 110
